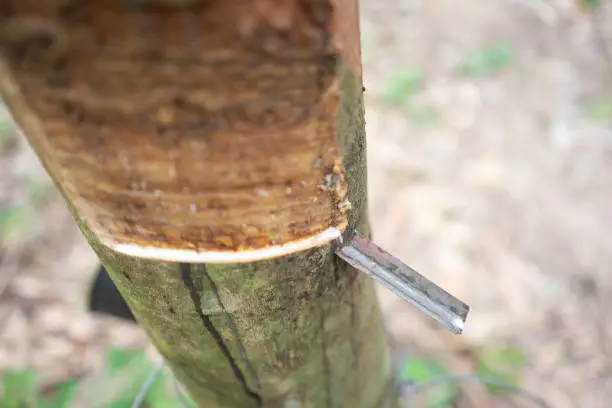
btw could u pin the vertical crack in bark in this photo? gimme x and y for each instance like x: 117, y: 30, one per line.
x: 336, y: 268
x: 233, y: 328
x: 190, y: 285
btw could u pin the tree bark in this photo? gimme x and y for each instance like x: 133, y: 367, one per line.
x: 183, y: 129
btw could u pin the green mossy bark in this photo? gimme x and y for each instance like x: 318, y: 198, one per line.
x: 304, y: 330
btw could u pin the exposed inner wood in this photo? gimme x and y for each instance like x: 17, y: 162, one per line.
x: 191, y: 125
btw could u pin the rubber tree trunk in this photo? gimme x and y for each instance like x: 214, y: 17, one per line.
x: 249, y: 137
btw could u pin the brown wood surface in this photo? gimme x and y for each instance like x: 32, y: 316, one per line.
x: 198, y: 125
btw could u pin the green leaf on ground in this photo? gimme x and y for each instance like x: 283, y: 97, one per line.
x: 161, y: 394
x: 401, y: 85
x: 599, y: 111
x: 118, y: 358
x: 502, y: 364
x: 420, y: 370
x: 588, y: 5
x: 61, y: 397
x: 487, y: 60
x: 19, y: 389
x: 134, y: 366
x: 127, y: 371
x: 13, y: 220
x: 422, y: 114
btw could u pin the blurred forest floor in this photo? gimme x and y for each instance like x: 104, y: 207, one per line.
x: 490, y: 146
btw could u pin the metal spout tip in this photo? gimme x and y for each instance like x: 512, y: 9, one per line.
x: 407, y: 283
x: 457, y: 325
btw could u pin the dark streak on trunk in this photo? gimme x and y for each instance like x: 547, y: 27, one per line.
x: 336, y: 270
x: 232, y: 326
x: 194, y: 293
